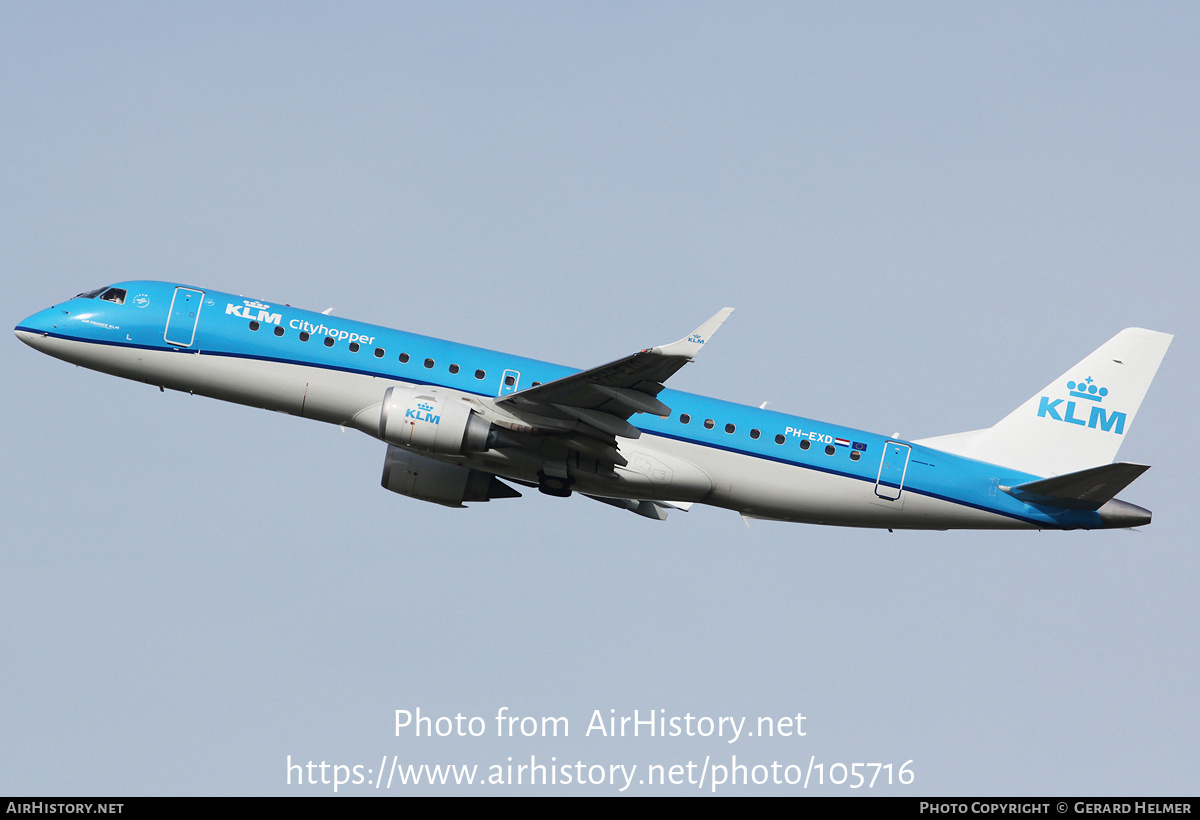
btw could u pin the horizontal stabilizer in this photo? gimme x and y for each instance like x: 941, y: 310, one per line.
x: 1087, y: 489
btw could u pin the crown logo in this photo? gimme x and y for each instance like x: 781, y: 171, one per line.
x: 424, y: 406
x: 1087, y: 389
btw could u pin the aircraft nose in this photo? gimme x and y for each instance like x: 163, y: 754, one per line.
x: 39, y: 325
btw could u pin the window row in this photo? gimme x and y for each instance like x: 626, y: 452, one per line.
x: 509, y: 380
x: 780, y: 438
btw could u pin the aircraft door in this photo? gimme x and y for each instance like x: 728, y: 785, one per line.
x: 892, y: 467
x: 509, y: 382
x: 185, y: 313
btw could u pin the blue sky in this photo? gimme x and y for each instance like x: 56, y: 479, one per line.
x: 921, y: 214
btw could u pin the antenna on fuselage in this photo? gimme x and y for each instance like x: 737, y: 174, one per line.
x: 327, y: 311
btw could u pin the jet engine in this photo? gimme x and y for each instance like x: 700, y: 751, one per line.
x: 428, y: 479
x: 431, y: 419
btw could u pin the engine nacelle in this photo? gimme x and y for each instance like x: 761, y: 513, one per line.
x: 428, y: 479
x: 431, y: 419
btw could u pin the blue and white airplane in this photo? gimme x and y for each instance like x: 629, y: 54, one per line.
x: 458, y: 419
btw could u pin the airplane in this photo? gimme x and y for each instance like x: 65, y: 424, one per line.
x: 464, y: 424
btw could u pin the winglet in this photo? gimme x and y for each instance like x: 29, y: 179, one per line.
x: 690, y: 345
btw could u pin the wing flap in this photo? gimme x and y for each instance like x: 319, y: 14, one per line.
x: 602, y: 421
x: 635, y: 400
x: 656, y: 510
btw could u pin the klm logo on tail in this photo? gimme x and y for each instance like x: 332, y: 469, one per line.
x: 1096, y: 416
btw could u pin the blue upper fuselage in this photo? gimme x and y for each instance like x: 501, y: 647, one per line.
x: 166, y: 316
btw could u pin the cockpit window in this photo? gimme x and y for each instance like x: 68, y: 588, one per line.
x: 91, y: 294
x: 114, y: 295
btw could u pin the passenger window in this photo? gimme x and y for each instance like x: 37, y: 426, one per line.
x: 830, y: 449
x: 379, y: 353
x: 329, y: 341
x: 779, y: 439
x: 429, y: 362
x: 709, y: 424
x: 684, y: 418
x: 729, y: 428
x: 453, y: 368
x: 354, y: 347
x: 403, y: 358
x: 509, y: 381
x: 304, y: 336
x: 855, y: 455
x: 253, y: 325
x: 479, y: 374
x: 755, y: 434
x: 278, y: 330
x: 804, y: 444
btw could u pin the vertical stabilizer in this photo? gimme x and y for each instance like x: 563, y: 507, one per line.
x: 1077, y: 421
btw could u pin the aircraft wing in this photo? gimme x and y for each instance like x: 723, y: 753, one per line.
x: 599, y: 402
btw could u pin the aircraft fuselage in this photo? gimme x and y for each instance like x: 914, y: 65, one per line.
x: 761, y: 463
